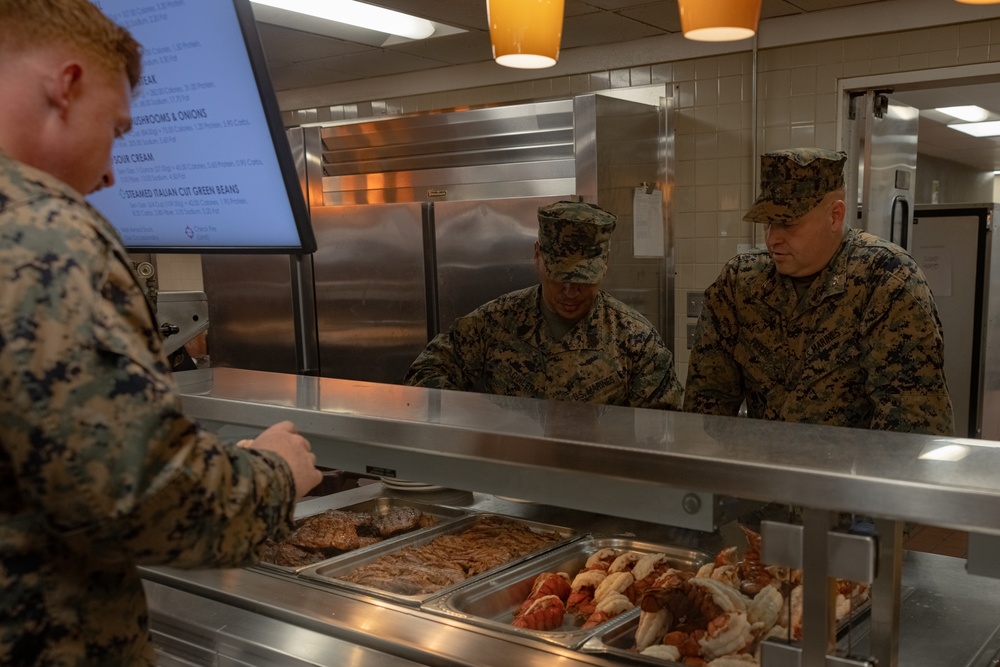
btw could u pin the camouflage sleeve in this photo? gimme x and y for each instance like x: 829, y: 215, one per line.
x: 714, y: 383
x: 453, y: 359
x: 903, y: 354
x: 654, y: 380
x: 93, y: 424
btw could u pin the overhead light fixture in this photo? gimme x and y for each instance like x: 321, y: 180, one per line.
x: 358, y: 14
x: 525, y: 34
x: 719, y: 20
x: 978, y: 2
x: 990, y: 128
x: 969, y: 112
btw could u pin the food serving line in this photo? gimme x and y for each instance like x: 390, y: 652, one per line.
x: 651, y: 476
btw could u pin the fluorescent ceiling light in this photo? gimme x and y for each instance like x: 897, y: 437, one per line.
x: 990, y: 128
x: 358, y: 14
x: 969, y: 112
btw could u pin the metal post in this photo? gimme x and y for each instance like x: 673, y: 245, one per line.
x: 886, y: 592
x: 819, y: 591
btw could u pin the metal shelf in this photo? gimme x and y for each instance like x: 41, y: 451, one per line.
x: 671, y: 468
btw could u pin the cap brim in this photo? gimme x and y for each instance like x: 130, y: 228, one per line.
x: 768, y: 210
x: 588, y: 272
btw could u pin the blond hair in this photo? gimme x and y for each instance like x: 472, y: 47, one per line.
x: 78, y: 24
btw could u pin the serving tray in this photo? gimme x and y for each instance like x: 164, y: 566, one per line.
x: 333, y: 572
x: 492, y: 601
x: 381, y: 506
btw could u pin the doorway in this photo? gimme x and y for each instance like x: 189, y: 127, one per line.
x: 954, y: 175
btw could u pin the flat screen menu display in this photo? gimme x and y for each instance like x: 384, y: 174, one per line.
x: 206, y: 167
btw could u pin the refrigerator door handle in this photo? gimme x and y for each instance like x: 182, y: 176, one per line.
x: 899, y: 203
x: 430, y: 269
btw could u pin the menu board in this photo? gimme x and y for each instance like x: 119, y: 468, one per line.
x: 206, y: 167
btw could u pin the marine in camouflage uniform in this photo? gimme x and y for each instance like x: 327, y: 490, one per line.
x: 100, y: 471
x: 860, y: 345
x: 516, y: 345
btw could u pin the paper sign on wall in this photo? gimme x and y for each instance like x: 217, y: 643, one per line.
x: 935, y: 261
x: 647, y: 223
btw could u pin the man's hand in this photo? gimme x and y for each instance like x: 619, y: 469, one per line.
x: 284, y: 440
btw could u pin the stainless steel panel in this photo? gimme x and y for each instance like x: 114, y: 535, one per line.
x: 192, y: 630
x: 370, y: 296
x: 251, y: 310
x: 642, y: 461
x: 552, y: 177
x: 187, y: 311
x: 984, y: 555
x: 627, y: 151
x: 890, y: 165
x: 484, y: 249
x: 850, y: 557
x: 331, y: 572
x: 512, y: 151
x: 491, y: 602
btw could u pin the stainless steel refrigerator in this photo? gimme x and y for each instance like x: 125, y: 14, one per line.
x: 391, y: 276
x: 954, y: 245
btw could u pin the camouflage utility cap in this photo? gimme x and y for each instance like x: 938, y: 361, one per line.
x: 793, y: 182
x: 574, y: 239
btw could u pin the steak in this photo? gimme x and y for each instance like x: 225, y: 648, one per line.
x: 334, y: 532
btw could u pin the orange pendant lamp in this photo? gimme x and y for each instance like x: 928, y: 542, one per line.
x: 978, y: 2
x: 719, y: 20
x: 525, y: 33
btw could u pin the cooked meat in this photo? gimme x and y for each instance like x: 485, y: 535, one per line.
x: 288, y: 555
x: 490, y: 542
x: 334, y: 532
x: 398, y: 520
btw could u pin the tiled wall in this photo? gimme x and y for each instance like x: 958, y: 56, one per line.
x: 715, y: 130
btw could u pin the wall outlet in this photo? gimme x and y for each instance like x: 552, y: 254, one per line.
x: 691, y: 331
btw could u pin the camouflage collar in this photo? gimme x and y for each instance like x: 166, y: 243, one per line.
x: 21, y: 181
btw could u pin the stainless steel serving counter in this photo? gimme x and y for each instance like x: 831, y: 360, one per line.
x: 681, y: 475
x: 280, y: 619
x: 256, y: 617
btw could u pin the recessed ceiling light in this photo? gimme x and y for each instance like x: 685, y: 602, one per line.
x: 990, y: 128
x: 969, y: 112
x: 358, y: 14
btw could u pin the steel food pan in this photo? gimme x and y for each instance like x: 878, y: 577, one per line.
x: 617, y: 638
x: 333, y: 572
x: 379, y: 507
x: 492, y: 601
